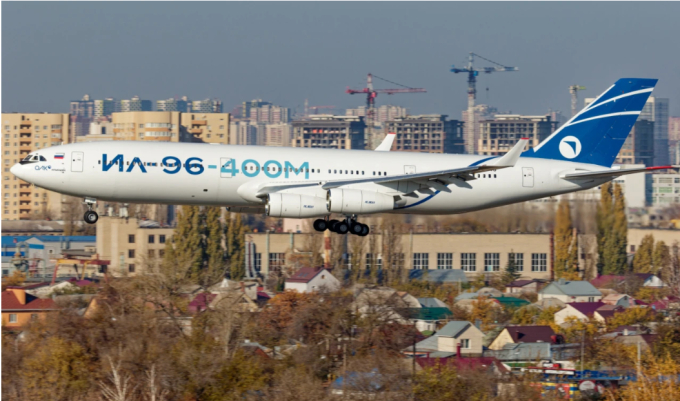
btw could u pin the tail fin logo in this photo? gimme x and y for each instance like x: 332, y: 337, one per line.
x: 570, y: 147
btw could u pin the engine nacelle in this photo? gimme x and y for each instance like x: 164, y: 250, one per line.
x: 353, y: 201
x: 293, y: 205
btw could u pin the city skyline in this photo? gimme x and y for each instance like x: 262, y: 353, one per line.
x: 124, y: 49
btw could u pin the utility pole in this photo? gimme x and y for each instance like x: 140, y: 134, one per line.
x: 583, y: 341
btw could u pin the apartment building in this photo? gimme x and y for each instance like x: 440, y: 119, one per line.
x: 243, y: 133
x: 500, y: 134
x: 278, y: 134
x: 205, y: 127
x: 183, y: 105
x: 161, y: 126
x: 665, y: 189
x: 471, y: 134
x: 639, y: 146
x: 431, y: 133
x: 383, y: 113
x: 206, y: 106
x: 130, y: 244
x: 135, y: 104
x: 105, y: 107
x: 329, y: 132
x: 23, y: 134
x: 81, y: 113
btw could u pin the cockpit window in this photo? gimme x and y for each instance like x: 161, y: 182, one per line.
x: 34, y: 158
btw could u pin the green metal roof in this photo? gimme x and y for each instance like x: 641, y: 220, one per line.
x: 512, y: 301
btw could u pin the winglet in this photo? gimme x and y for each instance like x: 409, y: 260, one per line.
x: 386, y: 144
x: 509, y: 159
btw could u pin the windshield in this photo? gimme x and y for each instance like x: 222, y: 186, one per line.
x: 33, y: 158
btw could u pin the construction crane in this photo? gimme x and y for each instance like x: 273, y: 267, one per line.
x: 371, y: 94
x: 315, y: 108
x: 573, y: 89
x: 472, y: 93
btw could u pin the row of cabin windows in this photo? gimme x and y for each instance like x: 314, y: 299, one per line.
x: 152, y: 239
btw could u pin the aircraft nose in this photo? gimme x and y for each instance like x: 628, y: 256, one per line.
x: 16, y: 170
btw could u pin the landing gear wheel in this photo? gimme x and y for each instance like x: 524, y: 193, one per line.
x: 364, y: 230
x: 332, y: 225
x: 320, y: 225
x: 91, y: 217
x: 342, y: 227
x: 356, y: 228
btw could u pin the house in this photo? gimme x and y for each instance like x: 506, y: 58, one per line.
x: 570, y: 291
x: 622, y: 300
x: 606, y: 312
x: 312, y: 279
x: 445, y: 342
x: 511, y: 302
x: 528, y: 354
x: 369, y: 385
x: 483, y: 292
x: 580, y: 310
x: 431, y: 303
x: 617, y: 281
x: 226, y: 285
x: 19, y: 308
x: 426, y: 319
x: 410, y: 300
x: 490, y: 365
x: 646, y: 341
x: 522, y: 287
x: 523, y: 334
x: 444, y: 276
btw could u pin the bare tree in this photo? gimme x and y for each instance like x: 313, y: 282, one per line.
x: 119, y: 388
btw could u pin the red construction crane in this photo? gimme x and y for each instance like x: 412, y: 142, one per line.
x: 371, y: 94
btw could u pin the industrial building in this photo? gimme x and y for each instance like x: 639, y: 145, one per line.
x: 431, y: 133
x: 329, y: 132
x: 500, y: 134
x: 23, y: 134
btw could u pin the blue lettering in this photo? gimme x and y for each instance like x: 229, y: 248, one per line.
x: 199, y: 167
x: 304, y: 168
x: 176, y: 163
x: 116, y: 160
x: 247, y: 173
x: 135, y: 162
x: 277, y: 170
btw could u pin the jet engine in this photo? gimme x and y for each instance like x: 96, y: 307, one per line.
x: 293, y: 205
x: 353, y: 201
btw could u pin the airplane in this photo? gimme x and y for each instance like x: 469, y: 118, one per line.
x: 309, y: 182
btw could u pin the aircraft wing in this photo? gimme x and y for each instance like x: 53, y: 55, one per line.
x: 386, y: 144
x: 613, y: 173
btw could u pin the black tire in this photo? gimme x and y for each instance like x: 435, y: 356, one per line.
x: 320, y: 225
x: 342, y: 227
x: 356, y: 228
x: 364, y: 230
x: 91, y: 217
x: 332, y: 225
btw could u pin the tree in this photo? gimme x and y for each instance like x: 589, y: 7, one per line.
x: 612, y: 230
x: 186, y: 244
x: 236, y: 247
x: 566, y: 244
x: 603, y: 219
x: 214, y: 251
x: 643, y: 259
x: 661, y: 257
x: 511, y: 272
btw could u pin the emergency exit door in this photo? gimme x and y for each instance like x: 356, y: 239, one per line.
x: 527, y: 177
x: 77, y: 162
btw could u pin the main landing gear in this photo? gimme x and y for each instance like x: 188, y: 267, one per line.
x: 349, y: 225
x: 91, y: 216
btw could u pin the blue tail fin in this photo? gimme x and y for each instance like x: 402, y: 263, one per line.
x: 596, y: 134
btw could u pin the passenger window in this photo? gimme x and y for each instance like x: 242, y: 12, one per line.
x: 362, y: 173
x: 378, y: 172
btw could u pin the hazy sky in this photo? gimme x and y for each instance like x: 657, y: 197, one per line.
x: 286, y: 52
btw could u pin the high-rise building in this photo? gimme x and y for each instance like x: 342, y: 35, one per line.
x: 23, y: 134
x: 328, y: 131
x: 278, y: 134
x: 253, y: 104
x: 265, y: 112
x: 170, y: 126
x: 431, y: 133
x: 243, y: 133
x: 471, y: 134
x: 135, y: 104
x: 205, y: 127
x: 383, y: 113
x: 82, y: 112
x: 639, y: 145
x: 665, y: 189
x: 183, y: 105
x: 206, y: 106
x: 500, y: 134
x: 656, y: 109
x: 105, y: 107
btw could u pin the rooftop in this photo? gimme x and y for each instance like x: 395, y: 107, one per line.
x: 305, y: 275
x: 530, y: 334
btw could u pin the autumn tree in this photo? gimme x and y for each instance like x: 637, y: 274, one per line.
x: 236, y: 246
x: 661, y: 257
x: 643, y: 259
x: 186, y: 246
x: 566, y: 244
x: 612, y: 230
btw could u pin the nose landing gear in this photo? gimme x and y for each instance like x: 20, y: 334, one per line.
x: 349, y: 225
x: 91, y: 216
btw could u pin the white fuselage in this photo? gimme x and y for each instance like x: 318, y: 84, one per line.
x: 229, y: 175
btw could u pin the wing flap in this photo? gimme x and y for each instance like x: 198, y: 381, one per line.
x: 612, y: 173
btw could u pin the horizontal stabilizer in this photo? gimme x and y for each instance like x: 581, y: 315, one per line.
x: 386, y: 144
x: 613, y: 173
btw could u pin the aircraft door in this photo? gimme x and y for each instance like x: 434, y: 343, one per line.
x: 227, y: 167
x: 409, y: 169
x: 77, y: 162
x: 528, y: 177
